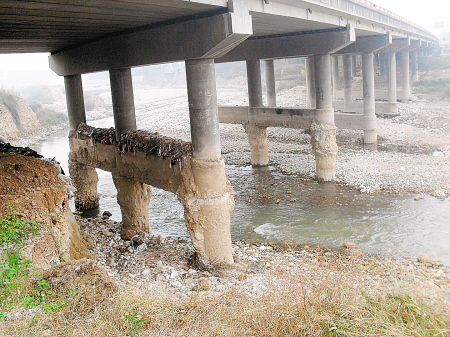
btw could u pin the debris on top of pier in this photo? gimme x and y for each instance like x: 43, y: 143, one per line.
x: 26, y: 151
x: 147, y: 142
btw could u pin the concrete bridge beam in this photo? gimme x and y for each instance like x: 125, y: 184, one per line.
x: 370, y: 122
x: 347, y: 80
x: 84, y: 178
x: 205, y: 191
x: 257, y: 135
x: 323, y: 129
x: 310, y: 82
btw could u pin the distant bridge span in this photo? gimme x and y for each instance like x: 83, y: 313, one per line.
x: 85, y: 36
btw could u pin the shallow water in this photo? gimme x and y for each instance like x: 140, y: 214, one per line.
x: 274, y: 207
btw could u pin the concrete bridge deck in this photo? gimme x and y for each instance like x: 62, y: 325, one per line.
x: 115, y: 35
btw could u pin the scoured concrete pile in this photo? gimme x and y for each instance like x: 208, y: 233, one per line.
x: 34, y: 190
x: 149, y: 143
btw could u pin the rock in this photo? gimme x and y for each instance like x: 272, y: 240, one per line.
x: 106, y: 215
x: 418, y: 197
x: 140, y: 237
x: 423, y: 258
x: 176, y: 284
x: 160, y: 265
x: 160, y: 239
x: 196, y: 261
x: 242, y: 277
x: 159, y: 277
x: 106, y: 232
x: 203, y: 284
x: 146, y: 272
x: 173, y: 274
x: 110, y: 262
x: 141, y: 248
x: 439, y: 273
x: 348, y: 245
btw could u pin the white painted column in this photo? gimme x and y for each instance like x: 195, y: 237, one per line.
x: 270, y: 83
x: 406, y: 89
x: 310, y: 82
x: 347, y: 81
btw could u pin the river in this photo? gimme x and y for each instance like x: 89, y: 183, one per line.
x: 278, y: 208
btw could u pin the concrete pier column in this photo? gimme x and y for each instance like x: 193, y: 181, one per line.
x: 310, y: 82
x: 354, y: 58
x: 414, y: 66
x: 270, y: 84
x: 122, y: 100
x: 335, y: 67
x: 257, y: 136
x: 84, y: 178
x: 205, y: 191
x: 323, y: 130
x: 133, y: 198
x: 347, y: 81
x: 75, y: 101
x: 382, y: 58
x: 406, y: 89
x: 370, y: 122
x: 392, y: 78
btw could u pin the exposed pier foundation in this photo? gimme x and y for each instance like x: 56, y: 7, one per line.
x: 323, y: 130
x: 84, y: 178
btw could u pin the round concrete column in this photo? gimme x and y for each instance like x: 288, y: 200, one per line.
x: 414, y: 66
x: 323, y: 130
x: 406, y: 90
x: 347, y: 81
x: 392, y: 78
x: 382, y: 58
x: 335, y: 66
x: 270, y: 83
x: 257, y: 136
x: 370, y: 122
x: 203, y: 111
x: 75, y: 101
x: 310, y: 82
x: 354, y: 58
x: 122, y: 100
x: 254, y: 83
x: 205, y: 191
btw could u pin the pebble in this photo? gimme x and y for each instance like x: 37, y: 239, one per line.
x: 106, y: 232
x: 348, y: 245
x: 146, y: 272
x: 423, y: 258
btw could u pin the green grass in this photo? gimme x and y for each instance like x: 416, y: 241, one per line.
x: 16, y: 230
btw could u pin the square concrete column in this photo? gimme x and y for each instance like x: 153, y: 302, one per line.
x: 122, y: 100
x: 257, y: 135
x: 323, y: 130
x: 414, y: 66
x: 270, y: 83
x: 335, y: 66
x: 370, y: 122
x: 205, y: 191
x: 84, y: 178
x: 392, y: 78
x: 406, y: 89
x: 347, y: 81
x: 310, y: 82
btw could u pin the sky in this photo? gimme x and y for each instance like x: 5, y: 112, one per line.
x: 422, y: 12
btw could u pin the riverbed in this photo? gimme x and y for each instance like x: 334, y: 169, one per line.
x: 280, y: 208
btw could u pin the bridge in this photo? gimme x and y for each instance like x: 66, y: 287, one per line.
x: 86, y: 36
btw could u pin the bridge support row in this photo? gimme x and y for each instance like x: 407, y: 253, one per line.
x: 205, y: 192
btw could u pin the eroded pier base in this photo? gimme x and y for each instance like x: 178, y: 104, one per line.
x: 259, y: 146
x: 133, y: 198
x: 84, y: 179
x: 207, y: 197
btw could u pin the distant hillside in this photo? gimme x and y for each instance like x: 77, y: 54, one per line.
x: 17, y: 119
